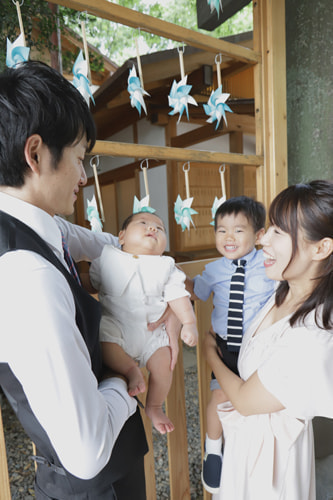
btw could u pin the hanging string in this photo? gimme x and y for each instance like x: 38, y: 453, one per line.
x: 218, y: 62
x: 85, y: 46
x: 138, y: 59
x: 187, y: 184
x: 145, y: 178
x: 94, y: 162
x: 222, y: 170
x: 18, y: 8
x: 181, y: 51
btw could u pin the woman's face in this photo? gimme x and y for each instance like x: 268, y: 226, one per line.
x: 277, y: 247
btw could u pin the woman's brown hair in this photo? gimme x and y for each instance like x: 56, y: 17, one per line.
x: 308, y: 207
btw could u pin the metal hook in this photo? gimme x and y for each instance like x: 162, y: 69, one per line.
x: 218, y: 59
x: 79, y: 14
x: 141, y: 164
x: 186, y: 169
x: 96, y: 162
x: 20, y: 3
x: 222, y: 170
x: 181, y: 49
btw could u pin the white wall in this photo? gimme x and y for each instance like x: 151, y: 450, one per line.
x: 157, y: 177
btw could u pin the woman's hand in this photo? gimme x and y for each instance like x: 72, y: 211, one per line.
x: 210, y: 348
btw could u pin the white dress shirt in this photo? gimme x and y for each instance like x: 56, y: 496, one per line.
x: 40, y: 341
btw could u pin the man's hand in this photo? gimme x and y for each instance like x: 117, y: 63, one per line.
x: 173, y: 327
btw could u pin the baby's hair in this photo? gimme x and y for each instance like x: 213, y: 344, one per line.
x: 253, y: 210
x: 129, y: 219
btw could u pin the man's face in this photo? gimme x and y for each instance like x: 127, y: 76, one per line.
x: 59, y: 186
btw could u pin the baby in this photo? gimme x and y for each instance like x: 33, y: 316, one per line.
x: 136, y: 284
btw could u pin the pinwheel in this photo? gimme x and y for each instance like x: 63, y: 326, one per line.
x: 80, y: 80
x: 215, y: 5
x: 216, y: 106
x: 136, y: 91
x: 179, y: 97
x: 93, y: 215
x: 16, y: 52
x: 218, y: 201
x: 183, y: 211
x: 143, y: 204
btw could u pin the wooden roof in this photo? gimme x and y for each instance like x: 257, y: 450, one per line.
x: 113, y: 111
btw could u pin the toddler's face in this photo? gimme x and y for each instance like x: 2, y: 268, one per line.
x: 235, y: 236
x: 145, y: 235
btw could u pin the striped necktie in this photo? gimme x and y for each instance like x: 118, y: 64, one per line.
x: 235, y: 310
x: 69, y: 260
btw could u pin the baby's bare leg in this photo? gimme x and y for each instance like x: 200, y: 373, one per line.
x: 160, y: 378
x: 120, y: 362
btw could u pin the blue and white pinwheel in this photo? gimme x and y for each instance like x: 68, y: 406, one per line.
x: 142, y: 205
x: 80, y: 80
x: 93, y: 215
x: 216, y: 203
x: 179, y: 97
x: 215, y: 5
x: 184, y: 212
x: 216, y: 107
x: 17, y: 53
x: 136, y: 91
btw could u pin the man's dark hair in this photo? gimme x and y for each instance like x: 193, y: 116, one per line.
x: 36, y: 99
x: 253, y: 210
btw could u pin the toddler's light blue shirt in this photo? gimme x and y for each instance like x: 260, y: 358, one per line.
x: 216, y: 278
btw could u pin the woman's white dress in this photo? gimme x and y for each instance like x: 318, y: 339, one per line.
x: 271, y: 456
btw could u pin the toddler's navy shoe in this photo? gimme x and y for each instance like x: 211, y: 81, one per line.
x: 211, y: 472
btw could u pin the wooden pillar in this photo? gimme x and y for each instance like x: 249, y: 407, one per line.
x: 236, y: 171
x: 170, y: 132
x: 270, y: 98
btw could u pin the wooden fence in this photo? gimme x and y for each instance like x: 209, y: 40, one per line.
x: 175, y: 407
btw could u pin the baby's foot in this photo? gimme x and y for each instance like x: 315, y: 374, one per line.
x: 136, y: 381
x: 159, y: 420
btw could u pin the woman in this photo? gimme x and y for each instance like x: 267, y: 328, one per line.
x: 285, y: 362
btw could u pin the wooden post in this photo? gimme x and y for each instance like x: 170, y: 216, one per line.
x: 4, y: 477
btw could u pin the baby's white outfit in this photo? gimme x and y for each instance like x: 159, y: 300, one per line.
x: 134, y: 291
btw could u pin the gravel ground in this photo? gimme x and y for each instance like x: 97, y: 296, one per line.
x: 21, y: 468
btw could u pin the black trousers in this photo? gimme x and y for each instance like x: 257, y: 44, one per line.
x: 132, y: 486
x: 230, y: 358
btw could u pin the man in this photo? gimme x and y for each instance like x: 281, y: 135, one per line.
x: 50, y: 363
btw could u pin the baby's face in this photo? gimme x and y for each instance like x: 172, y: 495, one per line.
x: 145, y: 235
x: 235, y: 236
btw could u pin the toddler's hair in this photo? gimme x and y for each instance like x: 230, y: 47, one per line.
x: 253, y: 210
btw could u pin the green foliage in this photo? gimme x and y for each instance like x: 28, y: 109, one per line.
x: 117, y: 41
x: 113, y: 40
x: 39, y: 13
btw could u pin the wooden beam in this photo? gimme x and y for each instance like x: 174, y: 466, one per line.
x: 130, y: 17
x: 127, y: 150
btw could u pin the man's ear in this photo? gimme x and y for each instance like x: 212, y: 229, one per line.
x: 259, y: 235
x: 323, y: 249
x: 121, y: 237
x: 32, y: 152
